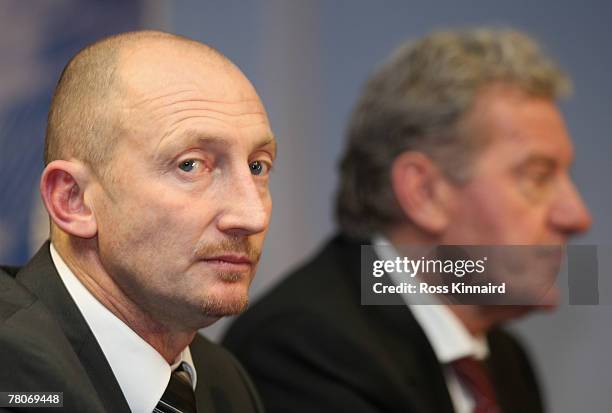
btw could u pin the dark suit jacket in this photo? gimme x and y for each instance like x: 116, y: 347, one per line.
x: 46, y: 345
x: 311, y: 347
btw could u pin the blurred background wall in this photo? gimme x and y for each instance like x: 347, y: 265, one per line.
x: 308, y: 60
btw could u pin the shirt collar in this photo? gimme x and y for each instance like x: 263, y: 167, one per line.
x: 447, y: 335
x: 142, y: 373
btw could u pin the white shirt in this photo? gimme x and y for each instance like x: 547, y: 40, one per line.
x: 447, y: 335
x: 142, y: 373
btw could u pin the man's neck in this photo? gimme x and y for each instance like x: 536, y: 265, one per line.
x: 167, y: 339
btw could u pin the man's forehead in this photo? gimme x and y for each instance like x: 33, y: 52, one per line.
x: 168, y: 81
x: 516, y: 124
x: 182, y: 97
x: 154, y: 68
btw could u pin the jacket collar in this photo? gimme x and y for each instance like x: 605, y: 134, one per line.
x: 40, y: 277
x: 404, y: 337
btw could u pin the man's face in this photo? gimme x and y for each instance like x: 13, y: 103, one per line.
x: 520, y: 192
x: 183, y: 214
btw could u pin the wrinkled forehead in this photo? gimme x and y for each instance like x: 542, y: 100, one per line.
x: 164, y: 83
x: 155, y: 70
x: 514, y: 125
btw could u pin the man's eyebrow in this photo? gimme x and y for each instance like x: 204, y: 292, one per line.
x: 187, y: 137
x: 537, y: 160
x: 194, y: 136
x: 269, y: 140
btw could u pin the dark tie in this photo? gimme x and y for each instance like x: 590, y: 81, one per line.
x: 474, y: 375
x: 179, y: 396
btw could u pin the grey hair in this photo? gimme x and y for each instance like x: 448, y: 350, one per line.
x: 415, y: 101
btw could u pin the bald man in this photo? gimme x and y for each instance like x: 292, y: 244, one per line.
x: 157, y: 153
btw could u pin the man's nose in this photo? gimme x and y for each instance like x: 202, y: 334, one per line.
x: 247, y: 206
x: 570, y: 214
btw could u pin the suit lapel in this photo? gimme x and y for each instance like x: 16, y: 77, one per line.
x: 513, y: 379
x: 203, y: 391
x: 40, y: 277
x: 418, y: 369
x: 416, y: 359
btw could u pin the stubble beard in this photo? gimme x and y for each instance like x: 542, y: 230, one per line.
x: 215, y: 307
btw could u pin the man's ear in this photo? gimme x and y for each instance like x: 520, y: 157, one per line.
x: 62, y: 186
x: 421, y: 191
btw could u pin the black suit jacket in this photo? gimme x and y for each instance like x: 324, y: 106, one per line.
x: 310, y: 346
x: 46, y: 345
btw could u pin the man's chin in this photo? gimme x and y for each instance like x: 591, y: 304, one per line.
x: 219, y: 307
x: 551, y: 300
x: 547, y: 302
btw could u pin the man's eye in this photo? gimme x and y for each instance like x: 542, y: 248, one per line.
x: 188, y: 165
x: 259, y: 168
x: 542, y: 178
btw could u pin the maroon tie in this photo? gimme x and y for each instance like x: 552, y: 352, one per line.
x: 474, y: 375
